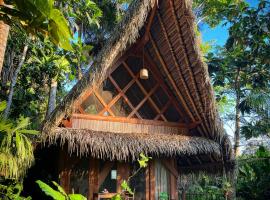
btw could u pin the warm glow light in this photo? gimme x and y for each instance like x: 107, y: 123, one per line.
x: 144, y: 74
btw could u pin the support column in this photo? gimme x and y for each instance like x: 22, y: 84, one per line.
x: 93, y: 179
x: 150, y: 181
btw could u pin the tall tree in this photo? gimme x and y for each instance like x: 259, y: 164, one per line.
x: 242, y: 68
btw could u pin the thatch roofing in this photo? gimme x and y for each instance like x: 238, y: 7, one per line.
x: 174, y: 48
x: 128, y: 146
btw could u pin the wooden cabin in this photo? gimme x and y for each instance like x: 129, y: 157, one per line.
x: 148, y: 92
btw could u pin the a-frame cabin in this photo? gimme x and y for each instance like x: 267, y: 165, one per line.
x: 149, y: 92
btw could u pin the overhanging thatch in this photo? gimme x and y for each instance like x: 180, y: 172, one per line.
x: 128, y: 146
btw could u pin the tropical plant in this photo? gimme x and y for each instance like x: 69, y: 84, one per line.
x: 16, y: 150
x: 58, y: 193
x: 254, y: 175
x: 39, y: 17
x: 12, y: 191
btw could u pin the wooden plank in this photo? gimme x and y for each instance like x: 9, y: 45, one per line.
x: 152, y: 180
x: 122, y: 174
x: 180, y: 75
x: 131, y: 120
x: 93, y: 178
x: 147, y: 183
x: 187, y: 62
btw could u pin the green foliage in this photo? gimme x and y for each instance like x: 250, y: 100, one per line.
x: 16, y: 150
x: 40, y: 17
x: 58, y: 194
x: 215, y: 11
x: 12, y: 191
x: 125, y: 187
x: 254, y: 175
x: 143, y: 161
x: 242, y: 69
x: 163, y: 196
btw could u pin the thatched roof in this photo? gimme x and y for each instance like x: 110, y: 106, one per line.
x: 174, y: 48
x: 128, y: 146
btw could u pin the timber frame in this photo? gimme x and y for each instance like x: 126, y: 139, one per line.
x: 111, y: 115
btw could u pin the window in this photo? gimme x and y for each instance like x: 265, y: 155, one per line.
x: 162, y: 180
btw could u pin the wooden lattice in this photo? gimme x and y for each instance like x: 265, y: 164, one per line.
x: 124, y: 94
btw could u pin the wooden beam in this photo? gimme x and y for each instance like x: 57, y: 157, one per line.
x: 142, y: 42
x: 187, y: 62
x: 131, y: 120
x: 93, y: 178
x: 152, y: 180
x: 205, y: 132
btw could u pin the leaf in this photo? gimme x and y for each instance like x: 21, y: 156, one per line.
x: 31, y: 132
x: 116, y: 197
x: 60, y: 189
x: 143, y: 161
x: 50, y: 191
x: 125, y: 187
x: 76, y: 197
x: 59, y: 30
x: 3, y: 105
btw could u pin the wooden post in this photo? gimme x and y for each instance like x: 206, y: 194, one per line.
x: 122, y: 174
x: 93, y: 179
x: 173, y: 182
x: 64, y: 171
x: 150, y: 181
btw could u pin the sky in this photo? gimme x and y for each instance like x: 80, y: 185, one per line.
x: 219, y: 34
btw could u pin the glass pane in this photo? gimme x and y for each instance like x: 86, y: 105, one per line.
x: 160, y: 98
x: 92, y: 105
x: 147, y: 112
x: 149, y: 83
x: 171, y: 114
x: 135, y: 64
x: 106, y: 113
x: 107, y: 91
x: 121, y: 76
x: 79, y: 177
x: 162, y: 181
x: 134, y: 94
x: 121, y: 108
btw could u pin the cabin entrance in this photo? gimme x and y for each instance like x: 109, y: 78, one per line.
x: 99, y: 179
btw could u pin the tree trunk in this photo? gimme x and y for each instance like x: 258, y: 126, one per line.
x: 4, y: 30
x: 14, y: 81
x: 237, y: 115
x: 52, y: 97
